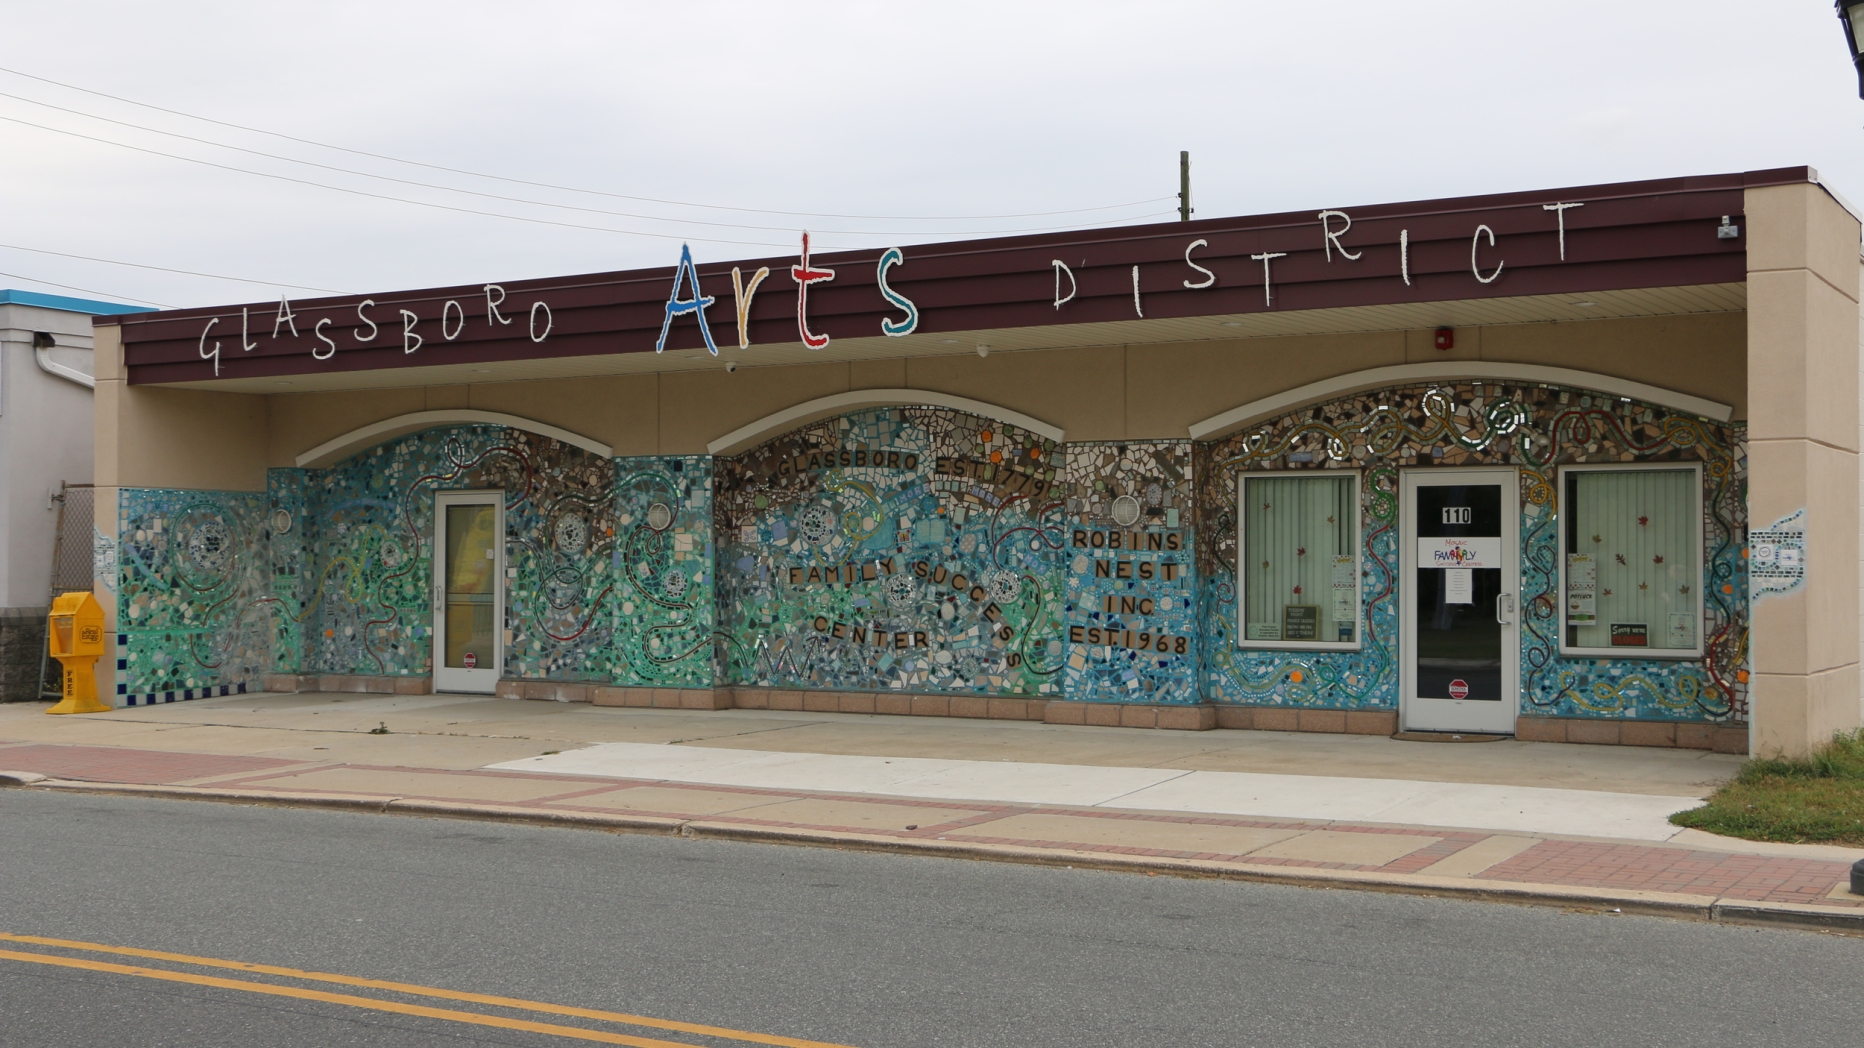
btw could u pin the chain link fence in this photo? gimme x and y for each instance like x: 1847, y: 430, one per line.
x: 72, y: 565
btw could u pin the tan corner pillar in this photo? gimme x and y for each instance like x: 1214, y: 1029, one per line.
x: 107, y: 366
x: 1803, y: 443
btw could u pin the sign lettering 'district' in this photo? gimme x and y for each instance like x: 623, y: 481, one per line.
x: 1474, y: 248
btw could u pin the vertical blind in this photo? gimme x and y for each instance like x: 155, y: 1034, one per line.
x: 1295, y: 530
x: 1641, y: 529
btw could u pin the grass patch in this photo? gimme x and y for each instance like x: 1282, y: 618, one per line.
x: 1817, y: 798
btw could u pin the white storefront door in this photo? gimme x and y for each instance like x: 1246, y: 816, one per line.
x: 1461, y: 563
x: 469, y: 590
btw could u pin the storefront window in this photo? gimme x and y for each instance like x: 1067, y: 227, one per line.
x: 1298, y: 560
x: 1632, y: 569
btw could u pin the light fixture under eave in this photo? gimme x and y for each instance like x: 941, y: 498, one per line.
x: 1232, y: 323
x: 983, y: 349
x: 1851, y: 16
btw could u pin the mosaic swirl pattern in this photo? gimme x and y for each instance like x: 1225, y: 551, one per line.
x: 1534, y: 428
x: 664, y: 605
x: 898, y: 548
x: 194, y: 611
x: 367, y: 598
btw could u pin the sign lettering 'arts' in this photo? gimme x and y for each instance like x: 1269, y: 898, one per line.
x: 686, y: 297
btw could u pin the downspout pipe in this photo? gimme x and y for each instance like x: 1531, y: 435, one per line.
x: 42, y: 343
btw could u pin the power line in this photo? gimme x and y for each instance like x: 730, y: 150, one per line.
x: 165, y: 269
x: 547, y: 185
x: 382, y: 196
x: 422, y: 203
x: 86, y: 290
x: 500, y: 196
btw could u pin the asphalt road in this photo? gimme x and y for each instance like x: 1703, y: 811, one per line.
x: 851, y: 948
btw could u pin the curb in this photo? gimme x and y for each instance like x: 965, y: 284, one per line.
x: 1843, y: 920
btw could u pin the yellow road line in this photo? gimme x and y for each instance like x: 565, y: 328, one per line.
x: 419, y: 991
x: 342, y: 998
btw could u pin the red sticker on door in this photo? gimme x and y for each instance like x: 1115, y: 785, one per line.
x: 473, y: 660
x: 1459, y: 689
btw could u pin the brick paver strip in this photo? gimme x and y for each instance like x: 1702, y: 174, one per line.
x: 1648, y: 868
x: 111, y: 764
x: 1592, y: 864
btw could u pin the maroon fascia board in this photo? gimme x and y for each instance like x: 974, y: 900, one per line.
x: 1656, y: 233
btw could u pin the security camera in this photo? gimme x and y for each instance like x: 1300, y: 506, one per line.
x: 731, y: 365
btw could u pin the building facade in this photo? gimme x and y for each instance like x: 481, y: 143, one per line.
x: 1579, y: 465
x: 45, y: 444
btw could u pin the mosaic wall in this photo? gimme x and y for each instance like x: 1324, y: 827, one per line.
x: 908, y: 548
x: 1536, y: 429
x: 195, y: 613
x: 330, y: 571
x: 288, y: 524
x: 365, y: 600
x: 898, y: 548
x: 1131, y: 605
x: 662, y: 568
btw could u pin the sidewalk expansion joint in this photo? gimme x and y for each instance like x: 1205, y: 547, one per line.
x: 1597, y: 899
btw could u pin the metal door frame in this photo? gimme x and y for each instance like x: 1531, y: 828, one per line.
x: 458, y: 679
x: 1430, y: 714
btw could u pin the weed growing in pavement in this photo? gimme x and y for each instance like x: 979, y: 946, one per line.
x: 1799, y: 799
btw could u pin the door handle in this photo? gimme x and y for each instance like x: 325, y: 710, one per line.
x: 1500, y: 600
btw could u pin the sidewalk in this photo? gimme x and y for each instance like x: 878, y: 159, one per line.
x: 1575, y: 825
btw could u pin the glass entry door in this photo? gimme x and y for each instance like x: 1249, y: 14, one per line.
x: 1461, y: 564
x: 469, y: 590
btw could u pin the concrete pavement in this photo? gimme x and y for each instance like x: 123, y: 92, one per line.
x: 467, y: 731
x: 1329, y: 798
x: 1519, y: 820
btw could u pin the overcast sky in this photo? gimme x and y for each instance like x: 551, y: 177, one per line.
x: 914, y: 118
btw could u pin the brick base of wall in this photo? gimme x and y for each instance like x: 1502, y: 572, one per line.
x: 22, y: 644
x: 639, y: 698
x: 348, y: 682
x: 892, y: 703
x: 1722, y: 738
x: 1281, y: 718
x: 1121, y: 715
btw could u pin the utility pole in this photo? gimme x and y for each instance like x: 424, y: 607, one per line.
x: 1184, y: 185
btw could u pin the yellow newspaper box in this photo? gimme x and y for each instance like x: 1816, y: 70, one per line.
x: 76, y: 636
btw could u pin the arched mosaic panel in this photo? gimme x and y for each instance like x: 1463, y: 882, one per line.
x: 1537, y: 429
x: 908, y: 548
x: 367, y: 537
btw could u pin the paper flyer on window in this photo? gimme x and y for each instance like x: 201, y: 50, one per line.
x: 1582, y: 589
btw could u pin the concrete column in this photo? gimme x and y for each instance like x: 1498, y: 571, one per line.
x: 107, y: 369
x: 1803, y: 443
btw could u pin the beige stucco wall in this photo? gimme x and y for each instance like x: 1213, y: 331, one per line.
x: 1101, y: 393
x: 152, y: 437
x: 1803, y: 429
